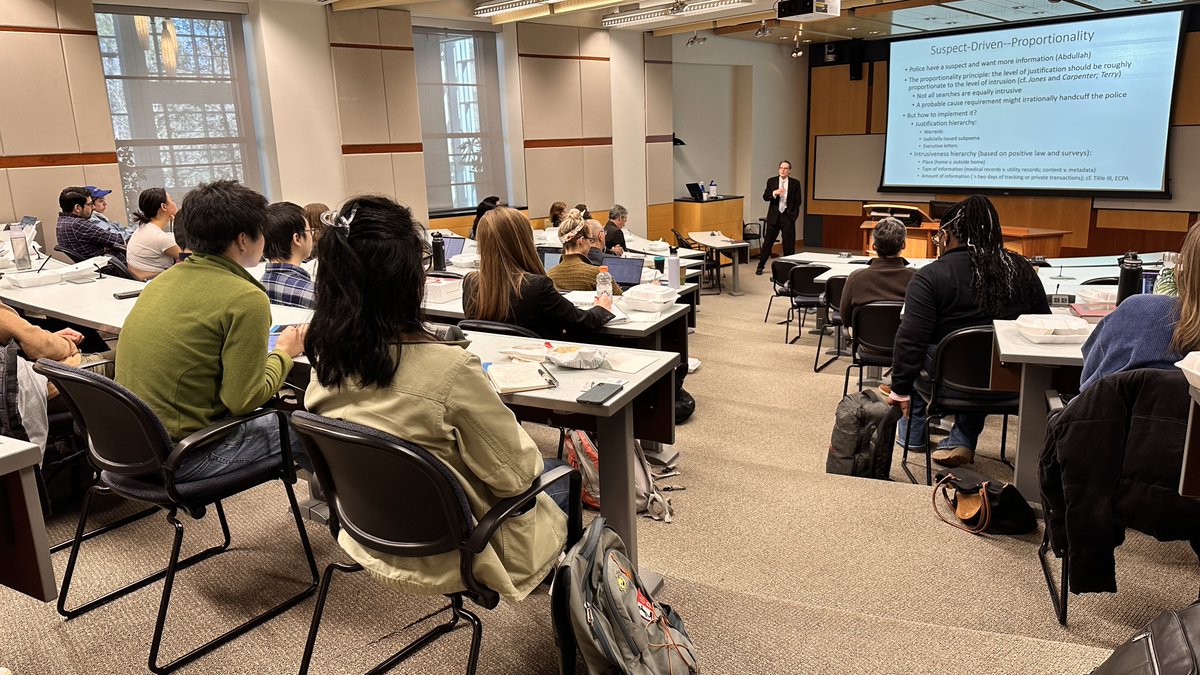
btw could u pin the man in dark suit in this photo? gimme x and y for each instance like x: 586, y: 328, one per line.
x: 784, y: 194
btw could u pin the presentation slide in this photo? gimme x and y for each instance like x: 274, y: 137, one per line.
x: 1082, y: 106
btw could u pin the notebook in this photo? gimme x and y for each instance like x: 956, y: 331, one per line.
x: 454, y: 246
x: 625, y: 272
x: 510, y: 378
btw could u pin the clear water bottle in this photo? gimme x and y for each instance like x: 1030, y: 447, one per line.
x: 604, y: 284
x: 712, y: 190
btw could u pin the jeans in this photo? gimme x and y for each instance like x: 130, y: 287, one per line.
x: 559, y: 490
x: 253, y: 441
x: 965, y: 432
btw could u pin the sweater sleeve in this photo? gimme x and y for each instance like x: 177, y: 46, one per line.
x: 249, y: 375
x: 494, y: 446
x: 561, y: 313
x: 846, y: 307
x: 915, y: 333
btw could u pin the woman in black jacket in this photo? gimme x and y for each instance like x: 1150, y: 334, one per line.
x: 511, y: 284
x: 974, y: 281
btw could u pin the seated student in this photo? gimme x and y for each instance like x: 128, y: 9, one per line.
x: 974, y: 281
x: 595, y: 254
x: 100, y: 206
x: 391, y: 374
x: 194, y: 346
x: 289, y: 243
x: 557, y: 211
x: 486, y: 205
x: 312, y: 216
x: 152, y: 249
x: 582, y: 208
x: 511, y: 285
x: 39, y: 343
x: 1149, y: 331
x: 614, y: 234
x: 886, y: 277
x: 78, y: 236
x: 575, y: 272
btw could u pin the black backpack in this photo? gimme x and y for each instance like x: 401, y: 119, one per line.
x: 685, y: 405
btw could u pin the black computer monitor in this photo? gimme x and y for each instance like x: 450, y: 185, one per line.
x: 625, y: 271
x: 938, y: 208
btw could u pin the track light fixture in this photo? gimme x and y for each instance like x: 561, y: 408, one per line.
x: 797, y: 52
x: 763, y: 31
x: 695, y: 40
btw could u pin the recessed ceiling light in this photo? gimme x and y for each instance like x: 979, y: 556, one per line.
x: 874, y: 32
x: 851, y: 28
x: 806, y: 40
x: 951, y: 23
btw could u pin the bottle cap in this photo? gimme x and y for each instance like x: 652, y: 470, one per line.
x: 604, y: 268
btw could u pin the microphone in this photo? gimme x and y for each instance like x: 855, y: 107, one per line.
x: 39, y: 270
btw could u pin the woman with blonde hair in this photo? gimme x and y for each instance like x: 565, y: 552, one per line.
x: 576, y: 272
x: 511, y: 285
x: 1149, y: 331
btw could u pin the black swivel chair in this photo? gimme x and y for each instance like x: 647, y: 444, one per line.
x: 394, y: 497
x: 497, y: 327
x: 779, y: 283
x: 443, y: 274
x: 138, y: 461
x: 873, y: 329
x: 75, y: 257
x: 806, y: 295
x: 832, y: 302
x: 960, y: 383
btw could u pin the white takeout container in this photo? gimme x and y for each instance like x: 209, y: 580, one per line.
x: 1052, y: 324
x: 34, y: 278
x: 441, y: 289
x: 1190, y: 365
x: 465, y: 260
x: 1096, y: 295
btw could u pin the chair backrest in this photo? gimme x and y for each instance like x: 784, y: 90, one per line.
x: 443, y: 274
x: 69, y: 253
x: 780, y: 270
x: 963, y: 359
x: 680, y: 240
x: 833, y: 290
x: 874, y: 325
x: 115, y: 268
x: 1101, y: 281
x: 802, y: 279
x: 498, y: 327
x: 388, y: 494
x: 126, y: 437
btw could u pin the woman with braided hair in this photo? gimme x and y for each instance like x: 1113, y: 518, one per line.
x: 974, y: 281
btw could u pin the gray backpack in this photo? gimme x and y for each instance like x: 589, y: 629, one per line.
x: 601, y: 608
x: 864, y: 433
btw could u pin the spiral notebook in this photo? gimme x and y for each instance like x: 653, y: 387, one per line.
x: 510, y: 378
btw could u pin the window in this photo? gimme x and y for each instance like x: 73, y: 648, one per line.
x: 458, y: 87
x: 179, y: 100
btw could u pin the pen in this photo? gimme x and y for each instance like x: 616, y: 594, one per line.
x: 548, y: 376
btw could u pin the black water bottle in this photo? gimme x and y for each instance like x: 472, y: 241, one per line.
x: 439, y: 252
x: 1130, y: 280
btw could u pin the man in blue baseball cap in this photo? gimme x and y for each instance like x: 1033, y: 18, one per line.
x: 98, y: 215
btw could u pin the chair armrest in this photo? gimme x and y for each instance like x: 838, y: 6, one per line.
x: 207, y: 435
x: 1054, y: 401
x: 94, y: 364
x: 505, y: 508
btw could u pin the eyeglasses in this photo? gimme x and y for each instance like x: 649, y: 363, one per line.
x: 939, y: 238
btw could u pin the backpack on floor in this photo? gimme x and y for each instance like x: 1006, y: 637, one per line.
x: 864, y: 433
x: 600, y: 607
x: 1165, y: 646
x: 580, y: 452
x: 685, y: 405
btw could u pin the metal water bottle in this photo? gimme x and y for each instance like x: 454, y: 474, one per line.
x: 1130, y: 280
x: 439, y: 252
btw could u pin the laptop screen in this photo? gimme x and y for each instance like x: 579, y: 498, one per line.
x: 695, y: 190
x: 454, y: 246
x: 550, y: 258
x: 625, y: 271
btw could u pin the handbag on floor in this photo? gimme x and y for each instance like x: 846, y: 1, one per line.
x: 981, y: 504
x: 1163, y: 647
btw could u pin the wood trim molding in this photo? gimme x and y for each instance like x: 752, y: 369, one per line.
x: 351, y: 45
x: 36, y: 29
x: 564, y: 58
x: 659, y: 61
x: 75, y: 159
x: 566, y: 142
x: 664, y: 138
x: 381, y: 148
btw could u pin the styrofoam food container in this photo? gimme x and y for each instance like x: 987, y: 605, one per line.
x: 1056, y: 339
x: 465, y: 260
x: 1096, y: 294
x: 1052, y: 324
x: 34, y: 278
x: 653, y: 293
x: 635, y: 305
x: 1190, y: 365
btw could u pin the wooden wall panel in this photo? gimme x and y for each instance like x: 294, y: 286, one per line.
x: 1186, y: 109
x: 1155, y: 221
x: 843, y: 233
x: 837, y: 105
x: 660, y: 218
x: 879, y: 93
x: 1073, y: 214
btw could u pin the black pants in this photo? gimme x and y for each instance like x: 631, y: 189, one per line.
x: 788, y: 229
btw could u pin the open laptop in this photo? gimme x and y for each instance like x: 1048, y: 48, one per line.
x: 696, y: 190
x: 625, y: 272
x: 454, y: 246
x: 550, y: 258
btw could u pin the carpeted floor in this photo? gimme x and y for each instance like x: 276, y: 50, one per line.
x: 776, y: 566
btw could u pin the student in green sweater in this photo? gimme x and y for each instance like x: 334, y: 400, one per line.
x: 194, y: 347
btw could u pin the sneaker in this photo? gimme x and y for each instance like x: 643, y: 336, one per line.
x: 759, y: 271
x: 952, y: 457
